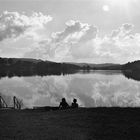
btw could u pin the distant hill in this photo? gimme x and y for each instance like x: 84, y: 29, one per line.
x: 30, y: 60
x: 36, y: 63
x: 30, y: 67
x: 104, y: 66
x: 132, y: 66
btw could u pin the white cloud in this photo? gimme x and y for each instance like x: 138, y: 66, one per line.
x: 121, y: 46
x: 75, y: 31
x: 78, y: 42
x: 14, y: 24
x: 74, y: 42
x: 84, y: 45
x: 123, y: 31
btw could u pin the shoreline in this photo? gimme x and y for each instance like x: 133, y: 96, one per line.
x: 83, y: 123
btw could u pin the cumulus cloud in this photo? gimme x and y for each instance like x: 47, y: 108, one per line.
x: 74, y: 42
x: 124, y: 30
x: 72, y: 27
x: 14, y: 24
x: 76, y: 31
x: 78, y: 42
x: 121, y: 46
x: 85, y: 45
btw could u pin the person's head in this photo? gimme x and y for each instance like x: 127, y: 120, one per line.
x: 63, y: 100
x: 74, y: 100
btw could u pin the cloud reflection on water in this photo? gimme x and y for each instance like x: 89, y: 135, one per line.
x: 91, y: 90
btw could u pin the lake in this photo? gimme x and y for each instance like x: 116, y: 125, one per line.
x: 91, y: 89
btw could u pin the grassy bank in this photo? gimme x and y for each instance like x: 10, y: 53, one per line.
x: 72, y: 124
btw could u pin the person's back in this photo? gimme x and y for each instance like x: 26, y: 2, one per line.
x: 74, y: 104
x: 63, y: 104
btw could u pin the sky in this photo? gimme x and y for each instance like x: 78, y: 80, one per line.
x: 93, y: 31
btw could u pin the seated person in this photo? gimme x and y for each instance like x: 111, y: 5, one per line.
x: 63, y: 104
x: 74, y: 104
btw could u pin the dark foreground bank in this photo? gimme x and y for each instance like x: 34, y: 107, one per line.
x: 72, y: 124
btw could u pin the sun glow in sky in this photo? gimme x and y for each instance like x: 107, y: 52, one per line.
x: 71, y: 30
x: 106, y: 8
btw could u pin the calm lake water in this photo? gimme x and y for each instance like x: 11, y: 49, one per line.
x: 96, y: 88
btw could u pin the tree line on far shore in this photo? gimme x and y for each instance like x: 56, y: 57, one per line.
x: 30, y: 67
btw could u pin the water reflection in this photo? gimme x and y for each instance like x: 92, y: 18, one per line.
x: 96, y: 88
x: 135, y: 75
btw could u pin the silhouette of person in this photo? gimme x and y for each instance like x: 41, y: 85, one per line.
x: 74, y: 104
x: 63, y: 104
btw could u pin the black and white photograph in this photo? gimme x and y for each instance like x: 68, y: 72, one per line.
x: 69, y: 69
